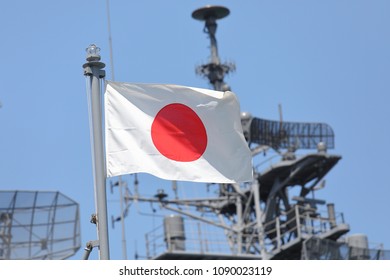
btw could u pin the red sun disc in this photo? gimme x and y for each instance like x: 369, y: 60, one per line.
x: 178, y: 133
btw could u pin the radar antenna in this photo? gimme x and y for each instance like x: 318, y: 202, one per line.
x: 38, y: 225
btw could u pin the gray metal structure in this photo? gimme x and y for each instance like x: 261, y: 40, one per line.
x: 94, y: 73
x: 214, y: 71
x: 38, y: 225
x: 277, y: 216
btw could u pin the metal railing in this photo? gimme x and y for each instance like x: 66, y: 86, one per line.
x: 200, y: 238
x: 297, y: 223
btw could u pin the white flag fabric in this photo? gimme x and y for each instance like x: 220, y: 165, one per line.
x: 175, y: 133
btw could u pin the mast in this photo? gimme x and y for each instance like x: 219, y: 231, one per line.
x: 214, y: 71
x: 94, y: 72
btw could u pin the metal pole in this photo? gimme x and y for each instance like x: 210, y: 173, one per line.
x: 331, y: 215
x: 211, y: 27
x: 110, y: 40
x: 259, y: 215
x: 93, y: 69
x: 239, y: 224
x: 124, y: 246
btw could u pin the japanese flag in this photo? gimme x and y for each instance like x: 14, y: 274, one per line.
x: 175, y: 133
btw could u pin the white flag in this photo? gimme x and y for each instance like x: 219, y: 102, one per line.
x: 175, y: 133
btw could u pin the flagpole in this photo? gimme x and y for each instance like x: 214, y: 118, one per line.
x: 93, y: 69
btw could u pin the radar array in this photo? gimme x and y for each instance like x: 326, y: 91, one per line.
x: 38, y: 225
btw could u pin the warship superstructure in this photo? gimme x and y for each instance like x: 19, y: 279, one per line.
x: 277, y: 216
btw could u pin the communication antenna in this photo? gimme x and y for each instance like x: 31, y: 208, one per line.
x: 110, y: 40
x: 38, y: 225
x: 120, y: 183
x: 214, y: 70
x: 123, y: 209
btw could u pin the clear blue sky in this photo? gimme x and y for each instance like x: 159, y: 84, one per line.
x: 324, y: 61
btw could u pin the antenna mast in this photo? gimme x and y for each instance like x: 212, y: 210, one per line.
x: 214, y: 70
x: 110, y: 40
